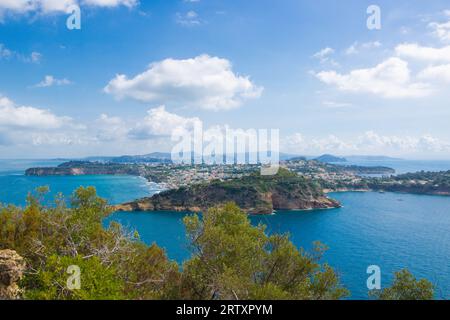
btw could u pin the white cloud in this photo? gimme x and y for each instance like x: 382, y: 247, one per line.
x: 35, y: 57
x: 335, y: 104
x: 25, y: 126
x: 389, y: 79
x: 56, y: 6
x: 204, y: 82
x: 111, y: 128
x: 5, y: 53
x: 162, y: 123
x: 357, y: 47
x: 188, y: 19
x: 324, y: 53
x: 331, y: 143
x: 324, y: 56
x: 111, y: 3
x: 369, y: 142
x: 50, y: 6
x: 438, y: 58
x: 441, y: 30
x: 50, y: 81
x: 372, y: 140
x: 428, y: 54
x: 436, y: 73
x: 41, y: 6
x: 58, y: 139
x: 26, y: 117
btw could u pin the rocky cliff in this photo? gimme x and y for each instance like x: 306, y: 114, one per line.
x: 12, y: 267
x: 254, y: 194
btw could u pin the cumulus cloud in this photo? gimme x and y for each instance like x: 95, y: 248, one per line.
x: 41, y: 6
x: 29, y: 126
x: 204, y: 82
x: 427, y: 54
x: 389, y: 79
x: 372, y: 140
x: 441, y: 30
x: 111, y: 3
x: 369, y: 142
x: 161, y: 123
x: 436, y: 73
x: 56, y: 6
x: 12, y: 115
x: 110, y: 128
x: 50, y: 81
x: 438, y: 60
x: 26, y: 126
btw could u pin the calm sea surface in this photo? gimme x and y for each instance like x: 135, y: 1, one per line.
x: 393, y: 231
x: 14, y: 185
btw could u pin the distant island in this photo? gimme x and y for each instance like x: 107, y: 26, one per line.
x: 371, y: 158
x: 255, y: 194
x: 151, y: 158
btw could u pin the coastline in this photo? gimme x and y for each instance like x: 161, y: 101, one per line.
x: 345, y: 190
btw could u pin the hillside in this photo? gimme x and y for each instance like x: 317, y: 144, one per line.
x: 255, y: 194
x: 327, y: 158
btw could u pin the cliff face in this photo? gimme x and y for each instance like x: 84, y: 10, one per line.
x: 12, y: 267
x: 253, y: 194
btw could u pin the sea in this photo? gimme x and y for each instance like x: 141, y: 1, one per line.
x: 389, y: 230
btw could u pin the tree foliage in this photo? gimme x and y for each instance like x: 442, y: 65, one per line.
x: 114, y: 264
x: 231, y: 258
x: 235, y: 260
x: 406, y: 287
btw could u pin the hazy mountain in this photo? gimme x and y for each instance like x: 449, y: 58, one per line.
x: 330, y: 158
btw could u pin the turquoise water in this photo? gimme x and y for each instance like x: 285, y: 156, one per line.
x: 17, y: 167
x: 404, y: 166
x: 393, y: 231
x: 14, y: 186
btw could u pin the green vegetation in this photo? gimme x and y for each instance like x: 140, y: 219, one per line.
x: 234, y: 260
x: 253, y: 193
x: 114, y: 265
x: 231, y: 259
x: 406, y: 287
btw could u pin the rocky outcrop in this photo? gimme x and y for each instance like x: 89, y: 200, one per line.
x: 12, y: 267
x: 254, y: 194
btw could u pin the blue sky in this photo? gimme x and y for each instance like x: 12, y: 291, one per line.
x: 138, y: 69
